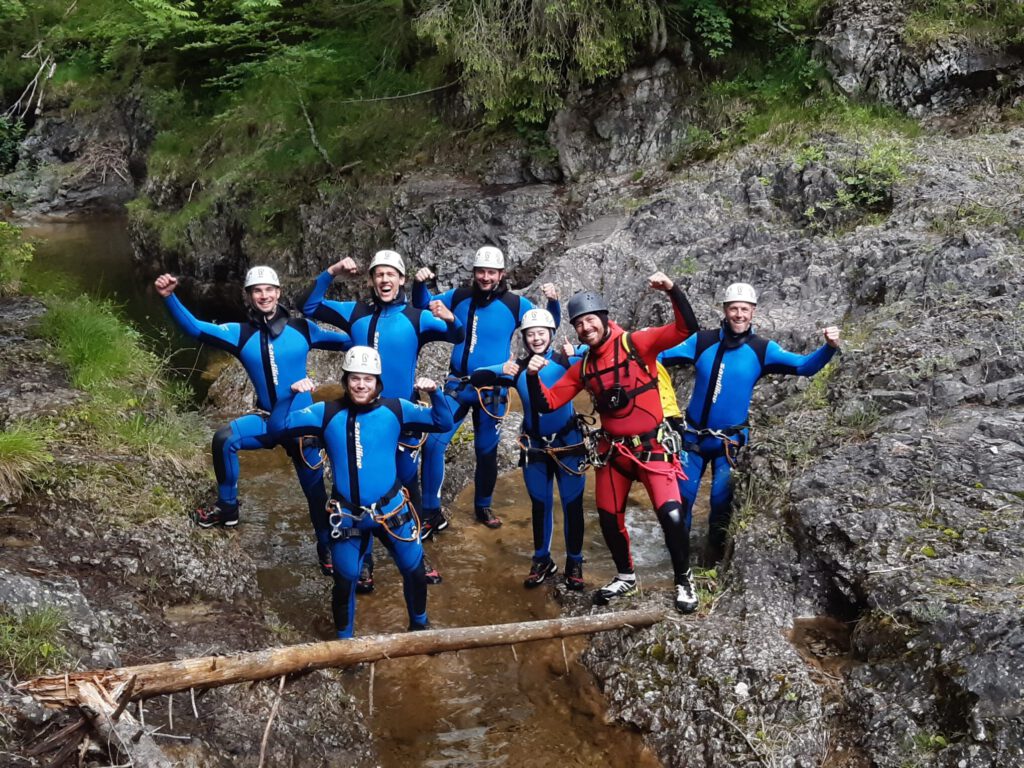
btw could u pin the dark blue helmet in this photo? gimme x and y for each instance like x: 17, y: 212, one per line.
x: 587, y: 303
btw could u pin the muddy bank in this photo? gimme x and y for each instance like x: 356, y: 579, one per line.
x: 138, y: 586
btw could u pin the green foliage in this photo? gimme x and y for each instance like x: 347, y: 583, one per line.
x: 518, y: 58
x: 718, y: 26
x: 97, y: 346
x: 11, y: 132
x: 31, y: 642
x: 873, y: 173
x: 784, y: 98
x: 129, y: 408
x: 996, y: 22
x: 816, y: 394
x: 15, y: 253
x: 22, y: 454
x: 971, y: 215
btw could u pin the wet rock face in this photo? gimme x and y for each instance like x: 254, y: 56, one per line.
x: 636, y: 123
x: 87, y: 163
x: 888, y: 493
x: 864, y: 48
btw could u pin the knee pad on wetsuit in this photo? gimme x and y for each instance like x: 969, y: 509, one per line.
x: 673, y: 512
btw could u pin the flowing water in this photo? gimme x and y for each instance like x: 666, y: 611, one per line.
x: 533, y: 705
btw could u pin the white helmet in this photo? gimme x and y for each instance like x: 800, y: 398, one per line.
x: 388, y: 259
x: 261, y: 276
x: 489, y: 257
x: 538, y: 318
x: 362, y: 360
x: 740, y: 292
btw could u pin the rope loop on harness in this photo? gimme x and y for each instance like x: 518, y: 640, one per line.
x: 483, y: 407
x: 653, y: 450
x: 554, y: 453
x: 402, y: 519
x: 302, y: 453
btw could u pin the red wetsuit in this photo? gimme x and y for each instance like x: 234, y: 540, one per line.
x: 609, y: 365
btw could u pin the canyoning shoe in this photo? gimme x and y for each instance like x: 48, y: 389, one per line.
x: 364, y: 584
x: 219, y: 514
x: 686, y: 595
x: 614, y: 589
x: 539, y: 571
x: 574, y: 575
x: 323, y: 556
x: 486, y: 516
x: 434, y: 522
x: 415, y: 626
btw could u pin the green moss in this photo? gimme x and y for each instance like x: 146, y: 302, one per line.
x: 996, y: 22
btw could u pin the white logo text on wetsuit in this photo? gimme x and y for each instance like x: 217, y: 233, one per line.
x: 718, y: 383
x: 359, y: 448
x: 472, y: 337
x: 273, y: 364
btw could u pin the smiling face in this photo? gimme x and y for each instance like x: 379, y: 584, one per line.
x: 739, y: 315
x: 264, y: 298
x: 362, y: 387
x: 589, y: 329
x: 487, y: 279
x: 386, y: 282
x: 537, y: 340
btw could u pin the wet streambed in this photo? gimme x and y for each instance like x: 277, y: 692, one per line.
x: 531, y: 706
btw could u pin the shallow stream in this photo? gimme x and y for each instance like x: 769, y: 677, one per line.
x: 533, y: 705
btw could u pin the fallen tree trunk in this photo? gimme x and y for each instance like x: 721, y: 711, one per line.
x: 211, y: 671
x: 120, y: 732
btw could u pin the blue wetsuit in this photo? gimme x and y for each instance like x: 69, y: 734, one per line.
x: 489, y: 320
x: 398, y: 331
x: 542, y: 431
x: 361, y: 442
x: 274, y: 355
x: 727, y: 366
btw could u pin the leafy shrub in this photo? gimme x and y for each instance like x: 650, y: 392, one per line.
x: 11, y: 132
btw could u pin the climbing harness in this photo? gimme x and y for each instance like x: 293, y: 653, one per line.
x: 732, y: 439
x: 488, y: 395
x: 542, y: 444
x: 338, y: 510
x: 649, y: 450
x: 496, y: 395
x: 616, y: 397
x: 413, y: 446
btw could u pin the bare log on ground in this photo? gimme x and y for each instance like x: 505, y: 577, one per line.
x: 211, y: 671
x: 120, y: 732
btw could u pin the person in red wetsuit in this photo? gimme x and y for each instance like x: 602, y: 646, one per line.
x: 619, y: 369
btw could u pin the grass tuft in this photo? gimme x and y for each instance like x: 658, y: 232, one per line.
x: 131, y: 409
x: 22, y: 454
x: 31, y: 643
